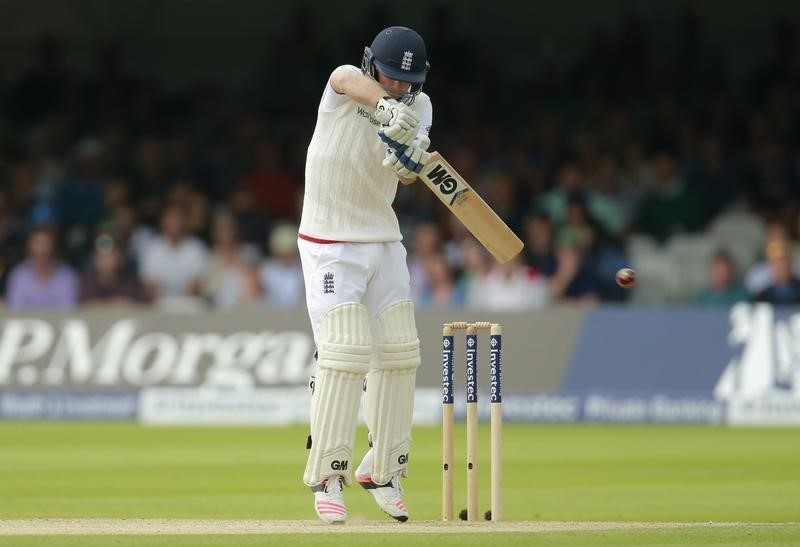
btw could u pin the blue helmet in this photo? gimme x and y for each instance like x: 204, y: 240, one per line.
x: 400, y: 54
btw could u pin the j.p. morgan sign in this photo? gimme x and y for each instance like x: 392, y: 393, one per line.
x: 127, y: 352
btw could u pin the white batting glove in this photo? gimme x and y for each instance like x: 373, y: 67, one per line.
x: 397, y: 136
x: 391, y: 112
x: 408, y: 163
x: 421, y: 141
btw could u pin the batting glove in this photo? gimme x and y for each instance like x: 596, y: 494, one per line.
x: 408, y: 163
x: 397, y: 137
x: 391, y: 112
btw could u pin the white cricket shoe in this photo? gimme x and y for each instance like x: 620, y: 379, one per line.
x: 389, y: 496
x: 329, y: 500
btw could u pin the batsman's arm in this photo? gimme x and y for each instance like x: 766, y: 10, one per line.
x: 358, y: 87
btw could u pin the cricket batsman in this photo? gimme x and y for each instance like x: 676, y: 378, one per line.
x: 372, y: 131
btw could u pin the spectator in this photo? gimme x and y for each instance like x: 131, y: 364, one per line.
x: 11, y: 239
x: 670, y: 207
x: 253, y: 226
x: 759, y: 276
x: 539, y: 247
x: 41, y: 282
x: 590, y: 125
x: 785, y: 287
x: 173, y: 263
x: 197, y: 213
x: 512, y: 286
x: 22, y: 193
x: 149, y: 176
x: 573, y: 279
x: 713, y: 177
x: 581, y: 237
x: 230, y: 280
x: 275, y: 190
x: 441, y: 291
x: 80, y: 198
x: 453, y: 245
x: 795, y: 238
x: 116, y: 193
x: 132, y: 236
x: 771, y: 184
x: 475, y: 265
x: 570, y: 182
x: 281, y: 275
x: 636, y: 174
x: 427, y: 241
x: 612, y: 205
x: 108, y: 282
x: 723, y: 288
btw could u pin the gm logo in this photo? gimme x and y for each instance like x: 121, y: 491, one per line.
x: 339, y: 465
x: 446, y: 182
x: 403, y: 459
x: 439, y: 176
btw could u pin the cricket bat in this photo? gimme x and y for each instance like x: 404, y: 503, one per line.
x: 470, y: 209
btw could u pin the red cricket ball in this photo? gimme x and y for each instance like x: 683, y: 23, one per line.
x: 626, y: 278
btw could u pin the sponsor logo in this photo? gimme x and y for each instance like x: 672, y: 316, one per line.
x: 651, y: 408
x: 447, y: 370
x: 446, y: 182
x: 366, y: 114
x: 472, y: 380
x: 403, y: 459
x: 51, y: 404
x: 327, y: 283
x: 495, y: 368
x: 34, y: 352
x: 768, y: 361
x: 339, y: 465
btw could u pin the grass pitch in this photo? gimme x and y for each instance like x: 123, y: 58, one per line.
x: 584, y: 473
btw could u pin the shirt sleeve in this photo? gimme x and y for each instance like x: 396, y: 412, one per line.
x: 425, y: 110
x: 331, y: 100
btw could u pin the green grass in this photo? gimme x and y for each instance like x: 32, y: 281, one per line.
x: 576, y: 472
x: 751, y: 535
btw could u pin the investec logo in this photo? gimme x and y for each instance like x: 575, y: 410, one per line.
x: 447, y: 370
x: 446, y: 182
x: 495, y: 371
x: 472, y: 380
x: 34, y: 352
x: 769, y: 360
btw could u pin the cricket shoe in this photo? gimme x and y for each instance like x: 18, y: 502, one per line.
x: 389, y: 496
x: 329, y: 500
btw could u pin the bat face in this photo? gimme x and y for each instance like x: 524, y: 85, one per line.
x: 448, y: 186
x: 470, y: 209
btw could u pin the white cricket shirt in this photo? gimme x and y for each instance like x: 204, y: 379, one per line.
x: 348, y: 193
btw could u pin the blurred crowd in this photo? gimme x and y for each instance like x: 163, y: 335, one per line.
x: 117, y: 190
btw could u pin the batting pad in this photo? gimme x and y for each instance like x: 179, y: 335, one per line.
x: 344, y: 357
x: 389, y: 399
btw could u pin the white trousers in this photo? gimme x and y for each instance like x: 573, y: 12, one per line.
x: 373, y: 274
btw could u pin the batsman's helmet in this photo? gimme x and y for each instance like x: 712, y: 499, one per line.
x: 400, y: 54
